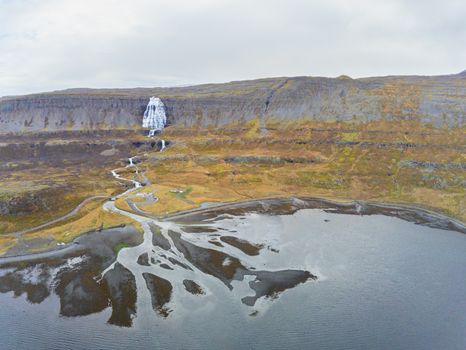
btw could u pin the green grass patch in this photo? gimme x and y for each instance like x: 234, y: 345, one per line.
x: 119, y: 247
x: 186, y: 192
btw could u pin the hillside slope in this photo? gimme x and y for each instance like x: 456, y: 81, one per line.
x: 439, y: 100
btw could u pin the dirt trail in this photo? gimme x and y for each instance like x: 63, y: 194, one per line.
x: 72, y: 213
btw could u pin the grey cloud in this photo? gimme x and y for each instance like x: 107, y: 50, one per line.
x: 54, y: 44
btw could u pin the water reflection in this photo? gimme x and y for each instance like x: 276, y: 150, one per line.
x: 179, y: 259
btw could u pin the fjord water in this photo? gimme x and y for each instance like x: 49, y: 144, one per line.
x: 382, y: 283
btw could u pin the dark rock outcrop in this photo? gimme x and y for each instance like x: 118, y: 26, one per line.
x: 439, y: 100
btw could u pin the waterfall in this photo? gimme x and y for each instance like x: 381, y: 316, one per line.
x: 163, y: 146
x: 154, y: 116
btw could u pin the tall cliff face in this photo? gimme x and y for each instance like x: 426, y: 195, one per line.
x: 52, y: 112
x: 437, y: 100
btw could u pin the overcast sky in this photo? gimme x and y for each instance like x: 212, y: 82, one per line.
x: 56, y: 44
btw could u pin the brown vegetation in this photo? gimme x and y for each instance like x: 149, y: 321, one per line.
x: 399, y: 161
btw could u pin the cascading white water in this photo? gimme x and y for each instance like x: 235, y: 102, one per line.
x: 172, y: 265
x: 154, y: 116
x: 117, y: 176
x: 163, y: 146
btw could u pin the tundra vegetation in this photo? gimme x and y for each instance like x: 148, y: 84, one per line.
x: 396, y: 161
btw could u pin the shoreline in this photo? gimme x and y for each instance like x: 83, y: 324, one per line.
x: 428, y: 215
x: 79, y: 244
x: 412, y: 213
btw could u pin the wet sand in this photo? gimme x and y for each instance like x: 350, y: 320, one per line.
x: 321, y: 276
x: 72, y: 273
x: 89, y: 274
x: 273, y: 206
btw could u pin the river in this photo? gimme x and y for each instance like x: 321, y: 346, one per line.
x: 271, y: 274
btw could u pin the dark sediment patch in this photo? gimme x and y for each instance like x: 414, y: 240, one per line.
x: 228, y: 268
x: 158, y: 239
x: 166, y: 267
x: 35, y: 292
x: 217, y: 243
x: 161, y: 292
x: 243, y: 245
x: 102, y: 243
x: 73, y: 273
x: 209, y: 261
x: 225, y: 211
x: 143, y: 259
x: 193, y: 288
x: 179, y: 263
x: 288, y: 206
x: 271, y: 283
x: 198, y: 229
x: 80, y: 294
x: 122, y: 291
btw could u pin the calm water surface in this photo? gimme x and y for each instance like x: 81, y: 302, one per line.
x: 382, y: 283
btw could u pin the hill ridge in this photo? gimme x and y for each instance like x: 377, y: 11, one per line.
x: 437, y: 100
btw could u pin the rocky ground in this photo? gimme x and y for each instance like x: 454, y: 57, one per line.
x: 376, y: 161
x: 45, y: 177
x: 389, y: 139
x: 437, y: 100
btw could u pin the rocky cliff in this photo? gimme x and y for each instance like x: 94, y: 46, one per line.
x: 439, y: 100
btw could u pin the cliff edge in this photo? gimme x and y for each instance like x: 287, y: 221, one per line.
x: 437, y: 100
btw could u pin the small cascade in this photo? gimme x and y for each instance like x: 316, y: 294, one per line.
x: 162, y: 257
x: 154, y: 116
x: 131, y: 164
x: 117, y: 176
